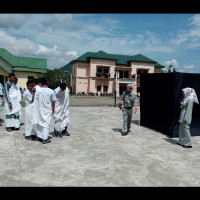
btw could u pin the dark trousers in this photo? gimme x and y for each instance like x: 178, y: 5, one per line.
x: 127, y: 116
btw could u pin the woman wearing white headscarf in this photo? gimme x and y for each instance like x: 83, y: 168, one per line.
x: 189, y: 98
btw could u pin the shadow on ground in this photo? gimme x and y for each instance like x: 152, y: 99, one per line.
x: 170, y: 140
x: 117, y: 130
x: 136, y: 122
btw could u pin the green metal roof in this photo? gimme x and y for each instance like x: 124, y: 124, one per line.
x: 17, y: 61
x: 67, y: 68
x: 159, y: 65
x: 27, y: 69
x: 120, y: 59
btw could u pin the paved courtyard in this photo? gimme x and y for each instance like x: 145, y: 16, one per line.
x: 97, y: 155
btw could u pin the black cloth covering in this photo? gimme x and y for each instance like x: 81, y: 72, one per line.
x: 160, y: 98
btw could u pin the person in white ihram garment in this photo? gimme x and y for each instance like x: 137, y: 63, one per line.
x: 12, y: 104
x: 43, y: 109
x: 29, y: 95
x: 18, y: 121
x: 1, y: 98
x: 61, y: 116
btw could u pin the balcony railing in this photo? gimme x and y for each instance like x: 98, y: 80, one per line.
x: 102, y: 74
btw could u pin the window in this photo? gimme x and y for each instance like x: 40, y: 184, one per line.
x: 102, y: 72
x: 105, y: 88
x: 120, y: 74
x: 98, y: 88
x: 125, y: 74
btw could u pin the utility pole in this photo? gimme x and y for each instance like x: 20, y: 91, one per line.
x: 116, y: 76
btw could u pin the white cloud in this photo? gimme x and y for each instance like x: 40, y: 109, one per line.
x: 63, y: 17
x: 190, y: 37
x: 72, y: 54
x: 195, y: 20
x: 43, y: 50
x: 172, y: 62
x: 13, y: 20
x: 184, y: 68
x: 25, y: 47
x: 63, y: 37
x: 188, y: 66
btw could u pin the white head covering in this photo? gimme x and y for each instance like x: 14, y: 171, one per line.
x: 189, y: 93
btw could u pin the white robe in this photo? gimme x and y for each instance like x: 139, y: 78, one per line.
x: 42, y: 111
x: 29, y: 128
x: 1, y: 93
x: 13, y: 115
x: 61, y: 116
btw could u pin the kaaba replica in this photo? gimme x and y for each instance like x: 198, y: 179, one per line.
x: 160, y: 98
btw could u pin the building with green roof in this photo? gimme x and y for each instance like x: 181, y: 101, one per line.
x: 25, y: 68
x: 95, y: 72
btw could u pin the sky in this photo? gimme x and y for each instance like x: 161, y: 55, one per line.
x: 169, y: 39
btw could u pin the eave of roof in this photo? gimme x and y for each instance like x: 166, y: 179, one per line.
x: 27, y: 69
x: 5, y: 69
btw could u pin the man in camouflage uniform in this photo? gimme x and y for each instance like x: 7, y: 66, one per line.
x: 128, y: 100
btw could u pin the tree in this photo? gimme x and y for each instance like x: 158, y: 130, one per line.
x: 171, y: 69
x: 54, y: 78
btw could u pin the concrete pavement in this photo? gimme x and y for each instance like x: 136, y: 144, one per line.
x: 97, y: 155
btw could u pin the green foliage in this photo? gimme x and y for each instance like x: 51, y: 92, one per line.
x: 171, y: 69
x: 54, y: 77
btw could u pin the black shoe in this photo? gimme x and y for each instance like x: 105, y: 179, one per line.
x: 129, y: 131
x: 28, y: 138
x: 184, y: 146
x: 124, y: 133
x: 46, y: 141
x: 34, y: 138
x: 179, y: 144
x: 1, y: 120
x: 38, y: 139
x: 66, y: 133
x: 57, y: 134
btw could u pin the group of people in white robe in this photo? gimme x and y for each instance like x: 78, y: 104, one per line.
x: 41, y: 104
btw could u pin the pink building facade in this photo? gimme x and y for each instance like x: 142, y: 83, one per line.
x: 101, y: 73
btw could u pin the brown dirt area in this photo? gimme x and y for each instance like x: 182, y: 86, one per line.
x: 93, y: 101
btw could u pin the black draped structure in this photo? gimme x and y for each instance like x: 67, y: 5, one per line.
x: 160, y: 97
